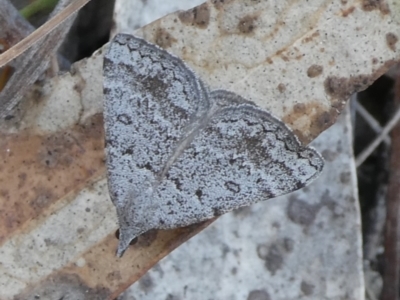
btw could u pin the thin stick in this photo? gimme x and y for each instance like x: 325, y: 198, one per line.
x: 41, y: 32
x: 370, y: 120
x: 370, y: 294
x: 367, y: 151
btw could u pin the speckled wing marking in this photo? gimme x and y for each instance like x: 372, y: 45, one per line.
x: 241, y: 156
x: 178, y: 154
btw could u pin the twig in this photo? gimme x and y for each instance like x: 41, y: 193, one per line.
x: 41, y: 32
x: 370, y: 120
x: 367, y: 151
x: 370, y: 294
x: 33, y: 62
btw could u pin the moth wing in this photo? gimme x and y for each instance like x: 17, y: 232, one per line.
x: 152, y: 99
x: 241, y: 156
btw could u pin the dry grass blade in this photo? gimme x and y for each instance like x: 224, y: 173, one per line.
x: 41, y: 32
x: 37, y: 50
x: 367, y: 151
x: 370, y: 120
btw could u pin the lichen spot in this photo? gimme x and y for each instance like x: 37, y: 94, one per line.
x: 198, y: 16
x: 247, y: 24
x: 163, y: 38
x: 391, y: 40
x: 314, y: 71
x: 281, y: 88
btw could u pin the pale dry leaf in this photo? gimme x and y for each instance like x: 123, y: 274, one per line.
x: 302, y: 62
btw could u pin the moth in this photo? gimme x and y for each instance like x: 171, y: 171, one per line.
x: 178, y: 153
